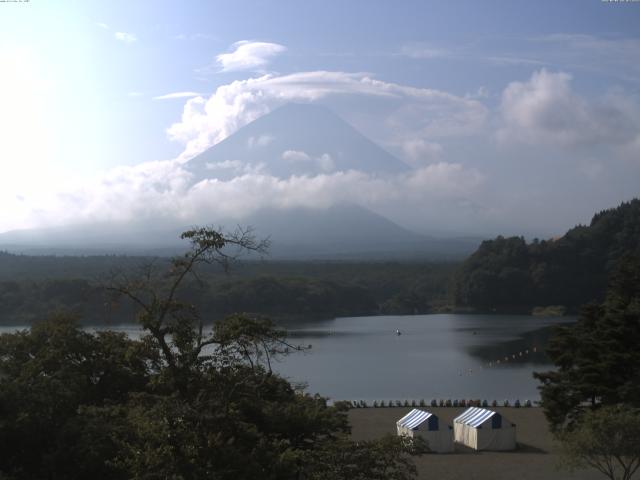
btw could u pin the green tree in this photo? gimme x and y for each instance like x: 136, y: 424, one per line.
x: 388, y: 458
x: 607, y: 439
x: 46, y: 374
x: 598, y: 358
x: 508, y: 273
x: 183, y: 402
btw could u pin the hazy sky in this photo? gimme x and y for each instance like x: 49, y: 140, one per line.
x: 518, y: 116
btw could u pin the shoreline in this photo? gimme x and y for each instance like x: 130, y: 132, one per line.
x: 537, y: 455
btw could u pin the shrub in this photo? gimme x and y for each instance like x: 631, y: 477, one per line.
x: 506, y: 403
x: 485, y: 404
x: 494, y: 403
x: 517, y: 403
x: 434, y: 403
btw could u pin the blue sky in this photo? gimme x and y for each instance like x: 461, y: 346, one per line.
x: 531, y: 105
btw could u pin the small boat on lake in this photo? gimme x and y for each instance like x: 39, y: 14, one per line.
x: 398, y: 332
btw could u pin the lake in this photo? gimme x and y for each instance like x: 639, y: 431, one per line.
x: 436, y: 356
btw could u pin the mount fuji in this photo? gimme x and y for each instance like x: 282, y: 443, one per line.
x: 293, y: 140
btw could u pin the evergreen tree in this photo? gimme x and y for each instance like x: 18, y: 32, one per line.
x: 598, y: 358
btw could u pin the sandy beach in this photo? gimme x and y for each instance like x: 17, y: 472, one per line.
x: 536, y: 457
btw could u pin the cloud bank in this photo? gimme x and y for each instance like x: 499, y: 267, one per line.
x: 546, y: 110
x: 467, y: 195
x: 160, y: 191
x: 414, y: 112
x: 246, y: 55
x: 174, y: 95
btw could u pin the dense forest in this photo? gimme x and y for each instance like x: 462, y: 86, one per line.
x: 503, y: 275
x: 182, y: 402
x: 509, y: 274
x: 32, y: 287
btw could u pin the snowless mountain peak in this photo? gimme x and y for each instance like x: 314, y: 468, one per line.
x: 295, y: 139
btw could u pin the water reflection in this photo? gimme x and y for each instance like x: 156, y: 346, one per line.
x: 529, y: 348
x: 437, y: 356
x: 294, y: 334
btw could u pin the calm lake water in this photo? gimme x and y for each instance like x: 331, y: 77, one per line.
x: 436, y: 356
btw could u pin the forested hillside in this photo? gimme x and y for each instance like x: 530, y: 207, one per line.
x: 31, y: 288
x: 511, y: 274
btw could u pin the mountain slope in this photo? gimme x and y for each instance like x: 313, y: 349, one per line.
x: 508, y: 273
x: 296, y: 139
x: 348, y: 231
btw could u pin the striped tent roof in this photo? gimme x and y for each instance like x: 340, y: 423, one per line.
x: 474, y: 416
x: 414, y: 418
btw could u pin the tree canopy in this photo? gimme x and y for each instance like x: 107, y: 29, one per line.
x: 185, y: 401
x: 511, y: 274
x: 606, y: 439
x: 597, y: 358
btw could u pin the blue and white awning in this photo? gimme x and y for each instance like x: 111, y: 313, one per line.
x: 474, y: 416
x: 414, y: 419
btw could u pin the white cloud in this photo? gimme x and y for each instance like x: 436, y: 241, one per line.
x: 233, y: 165
x: 260, y: 141
x: 103, y: 25
x: 419, y: 151
x: 171, y: 96
x: 166, y: 191
x: 481, y: 92
x: 125, y: 37
x: 413, y: 112
x: 324, y: 162
x: 296, y: 156
x: 248, y: 55
x: 544, y: 110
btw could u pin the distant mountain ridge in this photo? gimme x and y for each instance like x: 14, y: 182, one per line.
x: 341, y: 232
x: 509, y: 274
x: 349, y: 231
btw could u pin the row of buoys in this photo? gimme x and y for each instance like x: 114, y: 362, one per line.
x: 513, y: 356
x: 500, y: 361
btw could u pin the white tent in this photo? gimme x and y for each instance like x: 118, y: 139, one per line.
x: 483, y: 429
x: 426, y: 425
